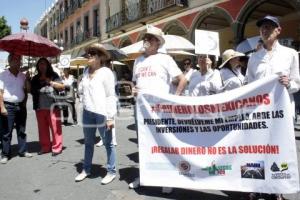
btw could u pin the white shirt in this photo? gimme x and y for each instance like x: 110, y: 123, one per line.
x: 154, y: 73
x: 231, y: 80
x: 68, y: 81
x: 281, y: 60
x: 13, y: 86
x: 203, y: 85
x: 99, y: 92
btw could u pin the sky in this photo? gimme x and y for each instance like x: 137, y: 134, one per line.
x: 15, y: 10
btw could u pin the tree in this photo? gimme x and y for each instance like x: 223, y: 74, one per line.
x: 4, y: 28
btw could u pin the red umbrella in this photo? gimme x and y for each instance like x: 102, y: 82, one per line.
x: 29, y: 44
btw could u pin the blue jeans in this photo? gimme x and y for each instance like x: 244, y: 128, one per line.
x: 16, y: 118
x: 92, y: 122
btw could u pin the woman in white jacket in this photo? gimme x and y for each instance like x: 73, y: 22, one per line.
x: 206, y: 80
x: 99, y: 109
x: 230, y: 70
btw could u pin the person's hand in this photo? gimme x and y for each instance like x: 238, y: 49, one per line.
x: 135, y: 91
x: 208, y: 62
x: 27, y: 75
x: 110, y: 124
x: 3, y: 111
x: 285, y: 81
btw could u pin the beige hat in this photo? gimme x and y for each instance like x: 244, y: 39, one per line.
x: 228, y: 55
x: 156, y: 32
x: 98, y: 49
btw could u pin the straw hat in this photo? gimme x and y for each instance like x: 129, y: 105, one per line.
x: 98, y: 49
x: 228, y: 55
x: 156, y: 32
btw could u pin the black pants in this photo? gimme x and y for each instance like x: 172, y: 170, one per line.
x: 16, y: 118
x: 65, y: 110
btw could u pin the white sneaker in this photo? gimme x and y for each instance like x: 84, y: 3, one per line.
x: 135, y: 183
x: 81, y: 176
x: 99, y: 144
x: 108, y: 178
x: 4, y: 160
x: 167, y: 190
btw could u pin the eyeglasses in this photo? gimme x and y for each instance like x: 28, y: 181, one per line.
x: 149, y: 37
x: 202, y: 56
x: 187, y: 63
x: 91, y: 54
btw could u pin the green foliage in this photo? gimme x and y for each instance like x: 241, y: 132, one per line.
x: 4, y: 28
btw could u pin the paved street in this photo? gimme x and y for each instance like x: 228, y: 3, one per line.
x: 47, y: 177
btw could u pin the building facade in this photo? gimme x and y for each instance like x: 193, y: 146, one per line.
x: 75, y: 24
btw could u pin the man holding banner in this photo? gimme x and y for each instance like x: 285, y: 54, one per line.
x: 244, y: 137
x: 153, y: 72
x: 274, y: 59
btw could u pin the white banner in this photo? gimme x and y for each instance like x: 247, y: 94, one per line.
x: 241, y: 140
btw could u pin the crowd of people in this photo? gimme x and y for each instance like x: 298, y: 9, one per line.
x: 153, y: 72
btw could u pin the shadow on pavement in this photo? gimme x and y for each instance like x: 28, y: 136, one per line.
x: 128, y: 174
x: 32, y: 147
x: 134, y: 140
x: 81, y: 141
x: 96, y: 170
x: 179, y: 193
x: 134, y: 157
x: 131, y: 127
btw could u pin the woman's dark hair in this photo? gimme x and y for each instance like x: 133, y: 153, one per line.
x: 49, y: 71
x: 227, y: 65
x: 99, y: 50
x: 213, y: 60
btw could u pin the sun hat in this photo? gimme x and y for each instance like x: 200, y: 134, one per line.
x: 98, y: 49
x: 156, y: 32
x: 228, y: 55
x: 268, y: 18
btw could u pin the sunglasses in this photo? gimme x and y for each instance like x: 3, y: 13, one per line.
x: 91, y: 54
x: 149, y: 37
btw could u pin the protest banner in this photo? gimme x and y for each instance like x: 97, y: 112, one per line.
x: 240, y: 140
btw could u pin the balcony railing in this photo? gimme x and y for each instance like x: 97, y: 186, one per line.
x: 96, y: 31
x: 137, y: 11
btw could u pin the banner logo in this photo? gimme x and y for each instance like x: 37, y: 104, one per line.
x: 217, y: 170
x: 280, y: 172
x: 185, y: 168
x: 255, y: 170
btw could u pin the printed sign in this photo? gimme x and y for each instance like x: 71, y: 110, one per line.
x: 207, y: 42
x: 244, y: 137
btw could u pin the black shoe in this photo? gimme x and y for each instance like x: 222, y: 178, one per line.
x: 25, y: 154
x: 56, y: 153
x: 42, y: 152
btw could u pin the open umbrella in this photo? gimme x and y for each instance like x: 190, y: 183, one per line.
x: 172, y: 43
x: 80, y: 63
x: 176, y: 42
x: 248, y: 44
x: 115, y: 53
x: 29, y: 44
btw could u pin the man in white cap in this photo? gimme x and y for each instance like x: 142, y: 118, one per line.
x: 154, y: 71
x: 274, y: 59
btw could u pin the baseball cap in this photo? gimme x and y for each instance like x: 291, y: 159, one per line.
x: 268, y: 18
